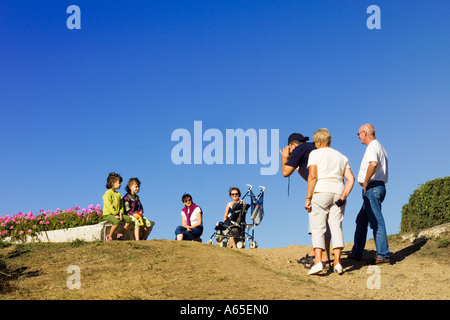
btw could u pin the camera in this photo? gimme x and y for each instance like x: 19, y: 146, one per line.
x: 340, y: 202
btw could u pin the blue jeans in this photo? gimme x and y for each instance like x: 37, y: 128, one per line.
x: 370, y: 214
x: 189, y: 235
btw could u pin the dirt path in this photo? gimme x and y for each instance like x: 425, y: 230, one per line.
x: 417, y: 271
x: 171, y: 270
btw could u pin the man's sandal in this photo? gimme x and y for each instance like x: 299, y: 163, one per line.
x: 307, y: 261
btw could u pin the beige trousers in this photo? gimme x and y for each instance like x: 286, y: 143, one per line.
x: 324, y: 209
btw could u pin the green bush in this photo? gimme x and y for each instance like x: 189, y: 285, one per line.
x: 428, y: 206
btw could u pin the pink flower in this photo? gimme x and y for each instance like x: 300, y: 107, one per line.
x: 29, y: 231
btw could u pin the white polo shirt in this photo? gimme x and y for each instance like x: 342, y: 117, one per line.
x: 374, y: 152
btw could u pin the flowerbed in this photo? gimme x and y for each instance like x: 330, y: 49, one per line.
x: 23, y: 224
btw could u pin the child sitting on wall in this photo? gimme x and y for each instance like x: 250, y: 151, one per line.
x: 134, y: 209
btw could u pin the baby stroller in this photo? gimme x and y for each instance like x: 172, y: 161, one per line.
x: 235, y: 226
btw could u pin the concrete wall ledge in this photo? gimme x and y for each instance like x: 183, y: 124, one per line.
x: 86, y: 233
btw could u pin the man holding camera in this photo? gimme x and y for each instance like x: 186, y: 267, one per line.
x: 295, y: 157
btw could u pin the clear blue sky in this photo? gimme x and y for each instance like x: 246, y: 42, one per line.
x: 78, y: 104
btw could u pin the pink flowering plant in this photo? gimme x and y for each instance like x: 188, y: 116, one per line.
x: 28, y: 224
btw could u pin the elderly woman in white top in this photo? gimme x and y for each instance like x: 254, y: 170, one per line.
x: 326, y: 197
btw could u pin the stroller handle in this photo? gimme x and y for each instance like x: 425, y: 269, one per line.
x: 262, y: 187
x: 249, y: 185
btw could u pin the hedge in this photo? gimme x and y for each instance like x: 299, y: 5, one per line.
x: 428, y: 206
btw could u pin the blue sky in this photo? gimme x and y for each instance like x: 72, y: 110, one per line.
x: 78, y: 104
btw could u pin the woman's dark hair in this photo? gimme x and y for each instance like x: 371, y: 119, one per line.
x: 131, y: 182
x: 112, y: 177
x: 186, y: 195
x: 234, y: 188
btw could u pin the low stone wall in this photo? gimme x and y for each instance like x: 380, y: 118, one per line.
x: 86, y: 233
x: 129, y: 235
x: 433, y: 232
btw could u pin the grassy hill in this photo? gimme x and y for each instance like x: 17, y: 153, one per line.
x: 171, y: 270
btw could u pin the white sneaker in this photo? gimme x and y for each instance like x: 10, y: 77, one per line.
x: 316, y: 269
x: 338, y: 268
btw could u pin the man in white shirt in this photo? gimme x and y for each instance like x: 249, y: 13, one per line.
x: 372, y: 176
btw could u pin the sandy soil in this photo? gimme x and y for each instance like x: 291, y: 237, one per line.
x: 171, y: 270
x: 418, y: 270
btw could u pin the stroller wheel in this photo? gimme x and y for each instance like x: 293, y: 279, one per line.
x: 210, y: 241
x: 223, y: 244
x: 240, y: 245
x: 253, y: 245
